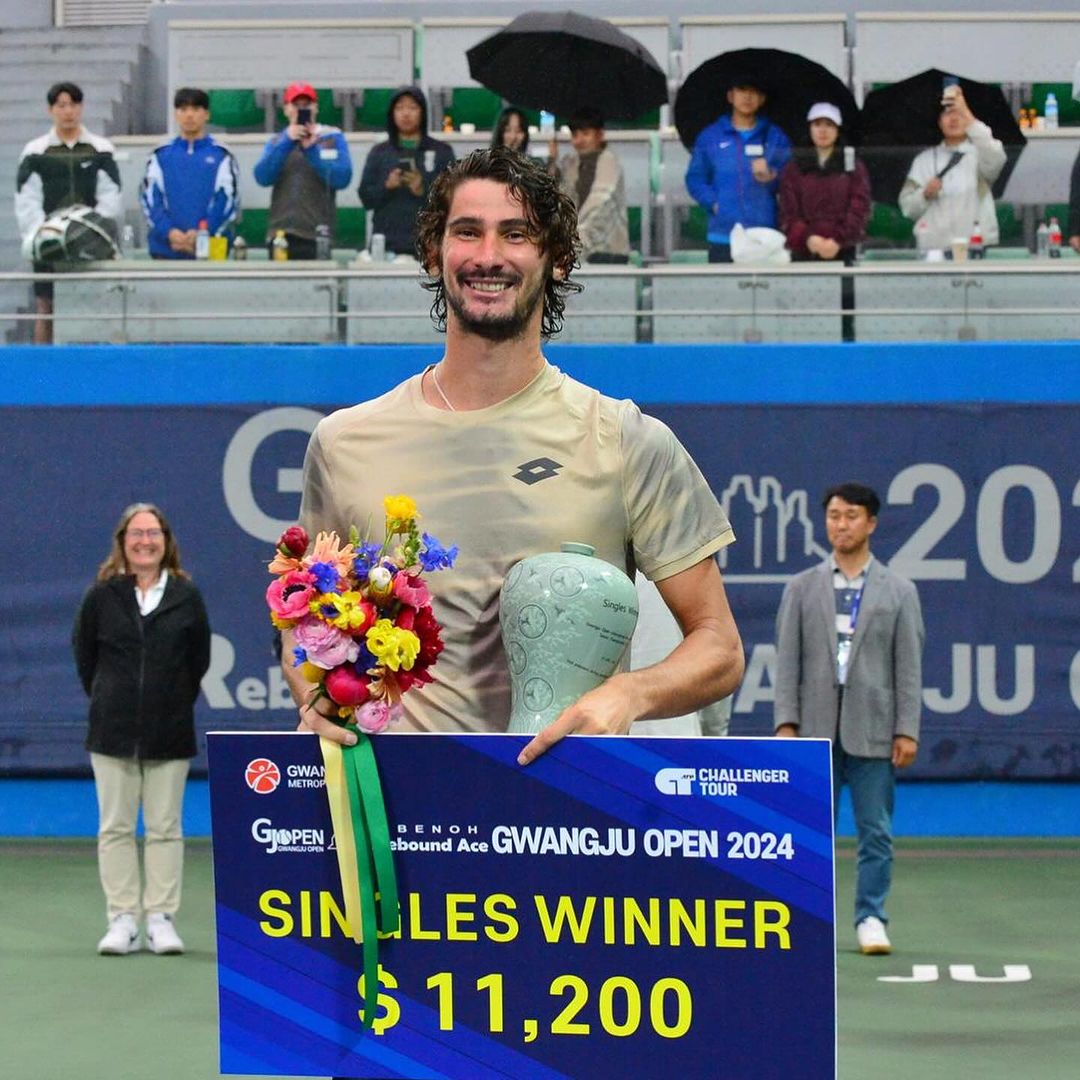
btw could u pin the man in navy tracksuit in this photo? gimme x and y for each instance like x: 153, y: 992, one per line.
x: 191, y: 179
x: 734, y: 169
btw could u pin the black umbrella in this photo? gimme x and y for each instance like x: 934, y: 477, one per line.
x: 791, y: 83
x: 901, y: 119
x: 562, y: 61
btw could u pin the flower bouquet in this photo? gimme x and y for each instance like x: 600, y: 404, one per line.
x: 364, y: 634
x: 361, y: 615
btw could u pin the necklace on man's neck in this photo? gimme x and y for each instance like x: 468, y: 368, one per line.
x: 439, y: 389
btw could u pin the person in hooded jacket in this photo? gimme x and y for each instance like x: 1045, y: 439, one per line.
x: 142, y: 646
x: 398, y: 173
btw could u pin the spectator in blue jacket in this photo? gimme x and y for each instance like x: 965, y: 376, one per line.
x: 191, y: 179
x: 734, y: 169
x: 305, y: 164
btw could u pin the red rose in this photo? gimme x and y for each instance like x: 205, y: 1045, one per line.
x: 347, y: 686
x: 293, y: 541
x: 418, y: 676
x: 426, y: 628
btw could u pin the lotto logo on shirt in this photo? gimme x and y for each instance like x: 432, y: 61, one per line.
x: 262, y: 776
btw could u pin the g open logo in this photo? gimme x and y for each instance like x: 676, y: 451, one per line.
x: 262, y: 776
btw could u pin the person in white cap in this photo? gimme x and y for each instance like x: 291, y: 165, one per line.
x: 824, y: 192
x: 948, y: 187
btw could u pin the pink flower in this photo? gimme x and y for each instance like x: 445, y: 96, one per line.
x: 411, y: 590
x: 290, y: 595
x: 347, y: 686
x: 373, y: 716
x: 326, y: 646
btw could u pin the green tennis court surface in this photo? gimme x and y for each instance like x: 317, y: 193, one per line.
x: 960, y: 910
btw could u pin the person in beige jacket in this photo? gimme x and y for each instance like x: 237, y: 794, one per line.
x: 948, y: 188
x: 593, y: 178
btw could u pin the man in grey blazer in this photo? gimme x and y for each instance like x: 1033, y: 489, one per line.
x: 849, y: 640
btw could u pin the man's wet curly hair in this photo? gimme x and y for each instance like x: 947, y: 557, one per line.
x: 550, y: 214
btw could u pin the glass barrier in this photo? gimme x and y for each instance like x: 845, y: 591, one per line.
x: 367, y: 303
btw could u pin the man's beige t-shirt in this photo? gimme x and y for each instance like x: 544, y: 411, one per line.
x: 556, y: 462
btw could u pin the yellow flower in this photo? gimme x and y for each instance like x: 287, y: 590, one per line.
x: 399, y: 508
x: 311, y: 672
x: 392, y: 646
x: 281, y: 624
x: 353, y: 612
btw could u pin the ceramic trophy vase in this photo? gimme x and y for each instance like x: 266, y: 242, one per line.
x: 567, y: 618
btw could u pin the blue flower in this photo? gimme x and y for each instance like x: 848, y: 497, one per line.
x: 326, y: 576
x: 365, y: 660
x: 434, y: 556
x: 299, y: 656
x: 365, y: 558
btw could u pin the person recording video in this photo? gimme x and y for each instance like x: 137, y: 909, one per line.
x: 948, y: 187
x: 399, y: 172
x: 305, y: 164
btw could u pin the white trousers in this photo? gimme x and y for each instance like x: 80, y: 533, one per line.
x: 122, y: 785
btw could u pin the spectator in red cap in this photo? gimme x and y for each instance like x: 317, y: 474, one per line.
x: 305, y: 164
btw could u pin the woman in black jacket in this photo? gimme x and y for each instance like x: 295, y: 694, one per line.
x: 142, y: 645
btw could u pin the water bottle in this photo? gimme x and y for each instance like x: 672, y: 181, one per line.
x: 239, y: 249
x: 202, y: 241
x: 322, y: 242
x: 127, y: 238
x: 976, y: 248
x: 280, y: 246
x: 1042, y: 240
x: 1050, y: 112
x: 378, y: 247
x: 1053, y: 239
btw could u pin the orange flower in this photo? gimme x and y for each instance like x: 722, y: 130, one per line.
x: 328, y: 549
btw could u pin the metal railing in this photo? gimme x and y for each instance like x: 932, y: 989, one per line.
x: 267, y: 302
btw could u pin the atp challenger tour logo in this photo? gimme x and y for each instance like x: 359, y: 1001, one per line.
x: 714, y: 781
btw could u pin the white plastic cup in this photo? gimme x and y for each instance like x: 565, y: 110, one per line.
x: 959, y: 249
x: 467, y: 129
x: 378, y: 247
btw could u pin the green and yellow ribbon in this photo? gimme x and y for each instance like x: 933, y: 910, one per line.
x: 365, y: 861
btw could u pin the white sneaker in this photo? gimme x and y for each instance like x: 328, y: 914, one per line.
x: 873, y: 940
x: 161, y: 935
x: 122, y: 936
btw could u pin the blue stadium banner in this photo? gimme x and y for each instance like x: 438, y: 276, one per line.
x: 981, y: 509
x: 622, y: 907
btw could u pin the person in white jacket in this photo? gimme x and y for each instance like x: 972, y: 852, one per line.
x: 947, y: 190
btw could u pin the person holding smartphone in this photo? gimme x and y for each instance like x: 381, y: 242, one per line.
x: 948, y: 187
x: 306, y: 164
x: 735, y: 166
x: 398, y: 173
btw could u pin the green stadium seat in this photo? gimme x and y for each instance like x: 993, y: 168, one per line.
x: 1010, y: 227
x: 475, y: 105
x: 888, y: 227
x: 1068, y: 110
x: 371, y: 114
x: 694, y: 227
x: 350, y: 233
x: 633, y: 222
x: 235, y: 110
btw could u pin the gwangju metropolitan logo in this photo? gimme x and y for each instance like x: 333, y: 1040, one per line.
x: 676, y: 781
x: 262, y: 776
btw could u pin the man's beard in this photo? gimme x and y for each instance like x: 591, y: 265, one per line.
x: 498, y: 327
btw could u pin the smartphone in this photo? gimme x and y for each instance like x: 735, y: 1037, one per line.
x: 406, y: 164
x: 303, y: 116
x: 947, y: 83
x: 547, y: 124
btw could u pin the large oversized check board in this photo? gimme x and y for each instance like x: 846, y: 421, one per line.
x: 633, y: 908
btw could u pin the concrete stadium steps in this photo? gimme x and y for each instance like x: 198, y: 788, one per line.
x: 105, y: 61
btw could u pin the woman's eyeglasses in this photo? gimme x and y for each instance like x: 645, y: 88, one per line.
x: 145, y: 534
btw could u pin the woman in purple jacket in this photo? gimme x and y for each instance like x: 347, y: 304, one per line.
x: 824, y: 193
